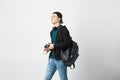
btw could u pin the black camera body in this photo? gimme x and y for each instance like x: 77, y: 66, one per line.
x: 47, y: 45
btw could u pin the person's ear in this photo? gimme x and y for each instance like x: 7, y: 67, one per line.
x: 59, y: 19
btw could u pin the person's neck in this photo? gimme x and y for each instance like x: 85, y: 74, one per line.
x: 57, y: 24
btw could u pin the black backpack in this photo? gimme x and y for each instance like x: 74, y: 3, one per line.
x: 70, y: 55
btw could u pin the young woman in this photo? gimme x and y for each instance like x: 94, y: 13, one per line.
x: 60, y: 39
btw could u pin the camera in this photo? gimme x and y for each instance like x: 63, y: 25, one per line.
x: 47, y: 45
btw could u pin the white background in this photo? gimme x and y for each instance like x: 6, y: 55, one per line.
x: 25, y: 27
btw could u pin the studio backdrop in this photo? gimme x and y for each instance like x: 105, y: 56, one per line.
x: 25, y: 27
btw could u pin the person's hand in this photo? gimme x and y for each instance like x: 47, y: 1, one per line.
x: 46, y: 49
x: 51, y: 46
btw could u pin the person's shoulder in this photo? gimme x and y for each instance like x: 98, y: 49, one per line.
x: 63, y: 26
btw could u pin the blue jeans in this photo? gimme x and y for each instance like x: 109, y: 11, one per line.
x: 54, y: 65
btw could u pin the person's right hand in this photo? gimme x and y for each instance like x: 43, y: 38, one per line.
x: 46, y: 49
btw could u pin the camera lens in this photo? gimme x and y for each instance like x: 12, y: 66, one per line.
x: 46, y: 46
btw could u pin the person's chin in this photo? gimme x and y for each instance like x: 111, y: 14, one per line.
x: 53, y: 23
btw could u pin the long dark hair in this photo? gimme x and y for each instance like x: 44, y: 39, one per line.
x: 59, y: 15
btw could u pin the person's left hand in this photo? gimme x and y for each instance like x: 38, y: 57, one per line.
x: 51, y: 46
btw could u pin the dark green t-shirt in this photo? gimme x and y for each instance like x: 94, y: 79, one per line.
x: 54, y: 35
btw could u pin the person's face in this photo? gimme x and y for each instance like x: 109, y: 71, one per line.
x: 55, y: 19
